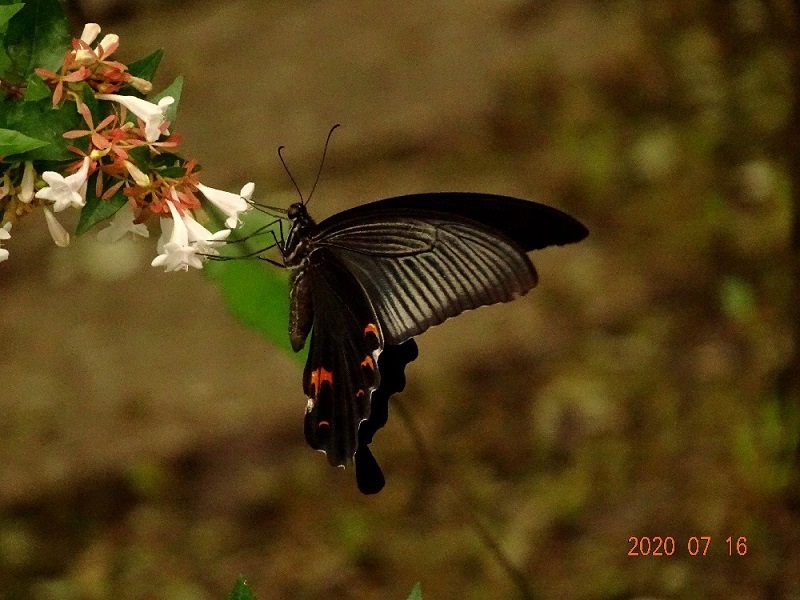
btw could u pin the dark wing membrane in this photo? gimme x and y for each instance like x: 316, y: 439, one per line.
x: 392, y: 365
x: 531, y: 225
x: 419, y: 268
x: 341, y: 372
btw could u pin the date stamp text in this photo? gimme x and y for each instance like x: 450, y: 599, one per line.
x: 702, y: 545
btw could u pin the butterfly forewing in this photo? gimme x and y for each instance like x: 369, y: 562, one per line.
x: 531, y: 225
x: 448, y: 266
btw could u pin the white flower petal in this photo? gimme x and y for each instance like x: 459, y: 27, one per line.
x: 180, y: 235
x: 122, y: 224
x: 26, y: 186
x: 140, y: 84
x: 65, y: 191
x: 138, y: 176
x: 230, y: 204
x: 90, y: 32
x: 57, y: 231
x: 4, y: 235
x: 108, y: 41
x: 247, y: 190
x: 151, y: 114
x: 177, y: 254
x: 204, y: 240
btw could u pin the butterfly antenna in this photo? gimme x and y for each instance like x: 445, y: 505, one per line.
x: 289, y: 173
x: 322, y: 162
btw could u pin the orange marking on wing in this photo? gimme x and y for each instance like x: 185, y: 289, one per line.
x: 323, y: 424
x: 318, y: 377
x: 371, y: 328
x: 360, y: 394
x: 325, y: 375
x: 368, y: 362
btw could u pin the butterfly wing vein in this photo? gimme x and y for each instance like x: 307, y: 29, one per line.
x: 341, y: 372
x: 419, y: 272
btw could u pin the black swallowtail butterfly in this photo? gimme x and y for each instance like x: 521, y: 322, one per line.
x: 365, y: 281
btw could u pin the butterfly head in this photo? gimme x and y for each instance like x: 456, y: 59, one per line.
x: 297, y: 244
x: 297, y: 211
x: 298, y: 215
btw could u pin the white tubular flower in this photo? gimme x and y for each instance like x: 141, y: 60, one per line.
x: 90, y: 33
x: 151, y: 114
x: 57, y: 231
x: 108, y: 41
x: 138, y: 176
x: 178, y: 254
x: 230, y: 204
x: 202, y: 239
x: 65, y: 191
x: 121, y: 225
x: 26, y: 187
x: 140, y: 84
x: 5, y: 234
x: 86, y: 56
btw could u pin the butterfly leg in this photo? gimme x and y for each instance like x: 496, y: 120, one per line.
x: 260, y: 231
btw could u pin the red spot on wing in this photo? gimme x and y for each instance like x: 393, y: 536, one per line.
x: 318, y: 377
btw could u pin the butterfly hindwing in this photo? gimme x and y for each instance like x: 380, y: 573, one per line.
x: 342, y: 368
x: 392, y: 364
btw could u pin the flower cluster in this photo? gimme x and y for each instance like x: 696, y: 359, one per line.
x: 125, y: 167
x: 84, y: 63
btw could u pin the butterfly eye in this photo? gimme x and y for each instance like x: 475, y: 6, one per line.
x: 295, y: 210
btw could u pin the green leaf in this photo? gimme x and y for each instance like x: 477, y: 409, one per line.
x: 241, y: 591
x: 255, y: 292
x: 140, y: 156
x: 36, y: 89
x: 13, y: 142
x: 37, y: 36
x: 96, y: 209
x: 172, y: 172
x: 167, y: 159
x: 416, y: 592
x: 41, y: 121
x: 257, y: 295
x: 146, y: 67
x: 174, y: 90
x: 8, y: 11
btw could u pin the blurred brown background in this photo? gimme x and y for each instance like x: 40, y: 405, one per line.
x: 151, y: 446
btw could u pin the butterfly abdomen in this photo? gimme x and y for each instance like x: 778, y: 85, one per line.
x: 301, y: 308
